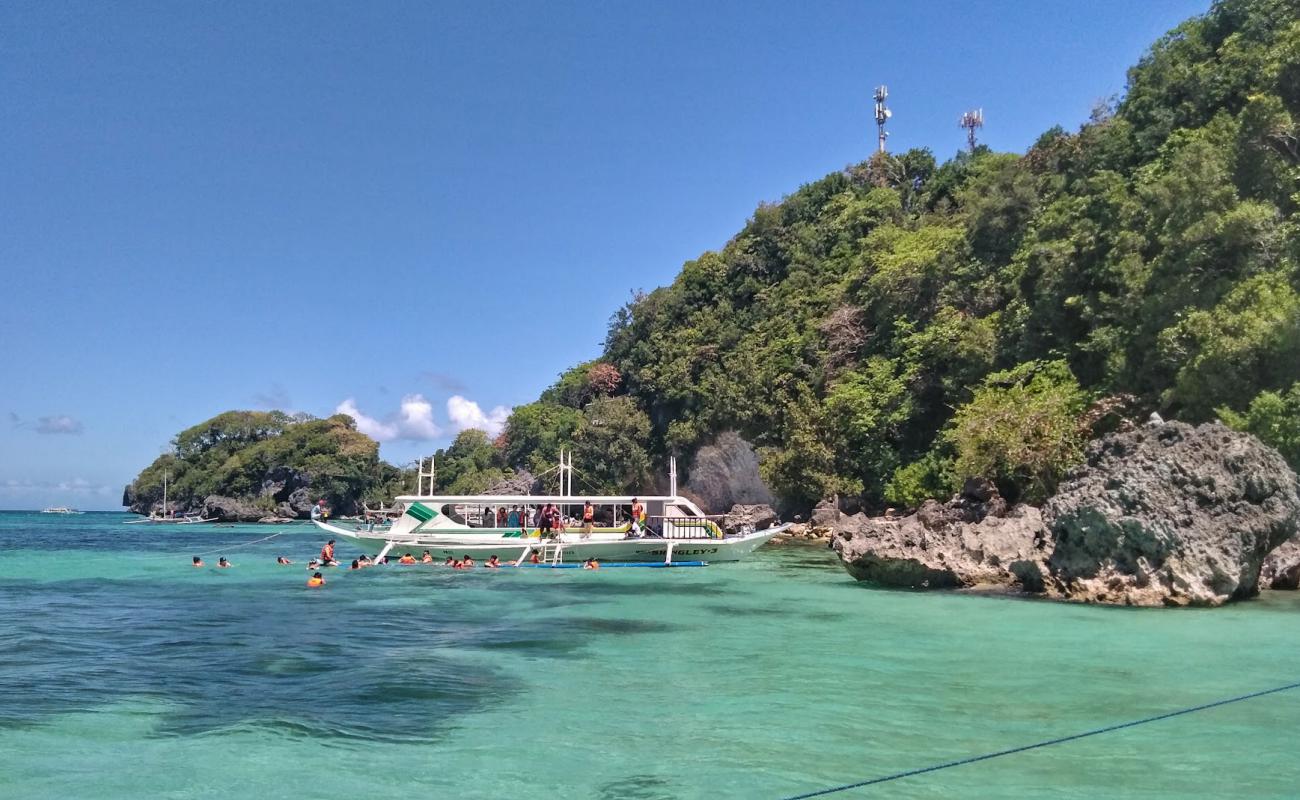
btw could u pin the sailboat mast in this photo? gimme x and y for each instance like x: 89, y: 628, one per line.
x: 164, y: 511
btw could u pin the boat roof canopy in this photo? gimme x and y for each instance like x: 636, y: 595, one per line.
x: 537, y: 499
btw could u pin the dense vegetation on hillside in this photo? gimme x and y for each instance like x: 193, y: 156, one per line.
x: 263, y: 456
x: 890, y: 328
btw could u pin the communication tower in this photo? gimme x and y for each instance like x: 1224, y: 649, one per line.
x: 972, y: 121
x: 882, y: 115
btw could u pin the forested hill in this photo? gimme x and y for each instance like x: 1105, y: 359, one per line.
x: 893, y: 327
x: 245, y: 465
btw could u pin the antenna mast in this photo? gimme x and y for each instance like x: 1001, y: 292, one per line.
x: 882, y: 115
x: 972, y: 121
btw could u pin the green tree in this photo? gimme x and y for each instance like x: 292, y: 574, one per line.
x: 1022, y: 429
x: 1275, y: 418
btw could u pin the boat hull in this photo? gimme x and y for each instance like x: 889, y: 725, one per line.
x: 570, y: 547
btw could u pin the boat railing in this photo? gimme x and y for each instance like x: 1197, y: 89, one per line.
x: 691, y: 527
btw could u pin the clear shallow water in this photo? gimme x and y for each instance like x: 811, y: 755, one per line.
x: 124, y: 672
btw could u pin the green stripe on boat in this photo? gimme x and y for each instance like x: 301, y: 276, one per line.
x: 421, y: 512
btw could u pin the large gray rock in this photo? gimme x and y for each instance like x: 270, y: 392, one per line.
x: 231, y: 509
x: 520, y: 482
x: 972, y: 540
x: 299, y: 503
x: 725, y: 473
x: 825, y: 514
x: 1168, y: 514
x: 756, y: 517
x: 1281, y: 568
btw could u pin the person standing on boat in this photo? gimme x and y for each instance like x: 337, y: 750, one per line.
x: 588, y: 518
x: 545, y: 520
x: 319, y: 512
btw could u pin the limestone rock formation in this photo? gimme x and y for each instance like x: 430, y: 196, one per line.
x: 972, y: 540
x: 231, y: 509
x: 521, y: 482
x: 724, y: 474
x: 754, y: 516
x: 825, y: 514
x: 1281, y: 568
x: 1168, y: 514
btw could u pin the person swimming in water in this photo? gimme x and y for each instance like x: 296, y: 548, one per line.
x: 223, y: 563
x: 591, y: 563
x: 313, y: 564
x: 450, y: 562
x: 198, y: 562
x: 406, y: 559
x: 316, y: 580
x: 493, y: 562
x: 327, y: 555
x: 355, y: 564
x: 467, y: 561
x: 533, y: 558
x: 282, y: 560
x: 427, y: 558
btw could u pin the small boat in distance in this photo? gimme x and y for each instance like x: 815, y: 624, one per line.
x: 164, y: 517
x: 60, y: 510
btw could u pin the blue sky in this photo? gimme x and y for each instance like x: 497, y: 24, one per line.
x: 395, y: 206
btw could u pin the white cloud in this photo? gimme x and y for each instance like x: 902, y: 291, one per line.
x: 465, y: 413
x: 370, y: 426
x: 414, y: 421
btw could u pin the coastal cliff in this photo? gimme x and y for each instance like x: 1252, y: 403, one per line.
x: 1165, y: 514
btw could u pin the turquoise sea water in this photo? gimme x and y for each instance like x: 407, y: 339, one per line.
x: 126, y: 673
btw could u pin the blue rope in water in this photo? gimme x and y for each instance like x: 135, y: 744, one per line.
x: 1062, y: 740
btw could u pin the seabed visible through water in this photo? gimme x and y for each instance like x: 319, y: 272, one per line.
x: 124, y: 673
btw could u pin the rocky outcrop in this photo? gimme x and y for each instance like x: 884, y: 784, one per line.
x: 825, y: 514
x: 972, y: 540
x: 232, y: 509
x: 521, y: 482
x: 757, y: 517
x: 1168, y: 514
x: 1281, y: 568
x: 724, y: 474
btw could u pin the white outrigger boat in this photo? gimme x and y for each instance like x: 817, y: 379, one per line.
x: 450, y: 526
x: 60, y: 510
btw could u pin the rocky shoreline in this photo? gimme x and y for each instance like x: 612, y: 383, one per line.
x: 1162, y: 515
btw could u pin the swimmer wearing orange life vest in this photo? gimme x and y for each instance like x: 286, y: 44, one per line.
x: 316, y: 580
x: 327, y: 555
x: 406, y: 559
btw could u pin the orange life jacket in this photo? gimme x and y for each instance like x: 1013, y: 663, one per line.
x: 315, y: 581
x: 588, y: 514
x: 327, y: 552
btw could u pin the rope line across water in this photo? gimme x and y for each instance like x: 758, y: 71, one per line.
x: 229, y: 549
x: 1061, y: 740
